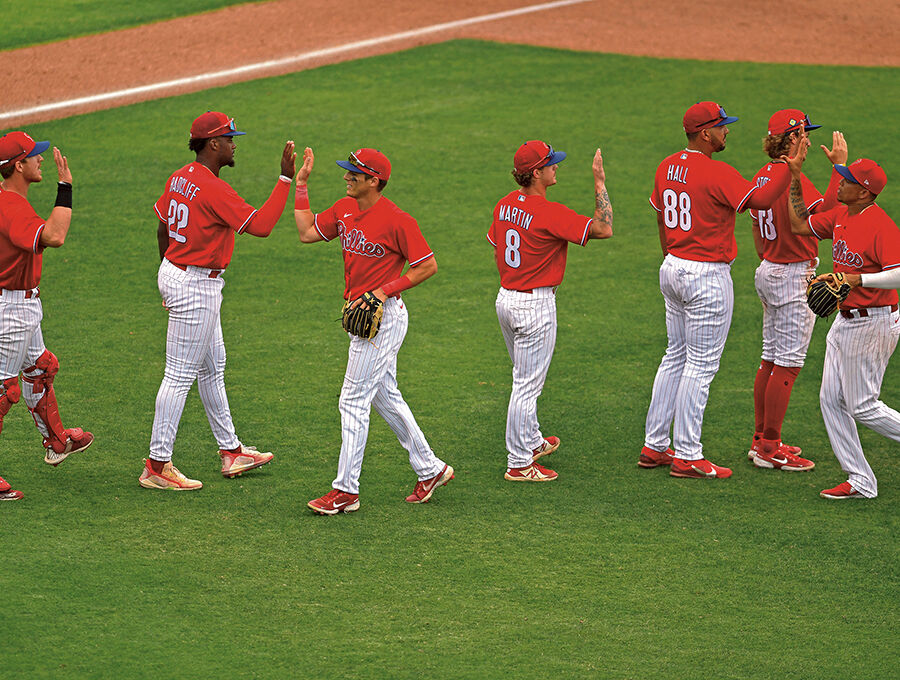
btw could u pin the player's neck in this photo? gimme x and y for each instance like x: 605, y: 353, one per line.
x: 16, y: 184
x: 368, y: 200
x: 210, y: 164
x: 857, y: 208
x: 700, y: 147
x: 535, y: 189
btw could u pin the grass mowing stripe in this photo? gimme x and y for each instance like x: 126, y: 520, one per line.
x: 610, y: 571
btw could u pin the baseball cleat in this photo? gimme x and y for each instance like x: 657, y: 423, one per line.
x: 755, y: 447
x: 782, y: 459
x: 549, y: 445
x: 248, y: 458
x: 76, y: 440
x: 7, y: 493
x: 840, y: 492
x: 698, y: 469
x: 651, y: 459
x: 423, y: 490
x: 335, y: 501
x: 170, y: 478
x: 531, y: 473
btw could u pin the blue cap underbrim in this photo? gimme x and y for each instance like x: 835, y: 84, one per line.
x: 232, y: 133
x: 557, y: 157
x: 811, y: 127
x: 727, y: 120
x: 347, y: 165
x: 844, y: 171
x: 39, y: 147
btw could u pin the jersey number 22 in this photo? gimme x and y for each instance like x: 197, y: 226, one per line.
x: 178, y: 219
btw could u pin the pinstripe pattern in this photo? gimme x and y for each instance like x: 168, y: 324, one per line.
x: 21, y: 343
x: 195, y: 350
x: 371, y: 380
x: 856, y: 357
x: 699, y: 303
x: 528, y: 322
x: 787, y: 319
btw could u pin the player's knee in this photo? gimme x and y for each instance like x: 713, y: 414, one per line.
x: 46, y: 367
x: 10, y: 392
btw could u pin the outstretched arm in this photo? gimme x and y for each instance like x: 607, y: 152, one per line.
x: 304, y: 217
x: 262, y: 223
x: 601, y: 225
x: 53, y: 235
x: 796, y: 208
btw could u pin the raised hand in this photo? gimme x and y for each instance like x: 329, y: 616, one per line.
x: 837, y: 154
x: 597, y: 167
x: 62, y: 166
x: 287, y: 159
x: 306, y: 168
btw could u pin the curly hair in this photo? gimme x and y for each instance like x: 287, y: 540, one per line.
x: 777, y: 146
x: 197, y: 145
x: 523, y: 179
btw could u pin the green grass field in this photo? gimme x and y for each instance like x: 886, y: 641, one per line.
x: 42, y: 21
x: 609, y: 572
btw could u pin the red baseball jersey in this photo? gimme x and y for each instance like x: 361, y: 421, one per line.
x: 376, y: 242
x: 862, y: 244
x: 202, y: 212
x: 780, y: 244
x: 531, y: 236
x: 20, y: 243
x: 697, y: 198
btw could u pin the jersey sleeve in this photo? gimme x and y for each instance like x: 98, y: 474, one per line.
x: 326, y: 223
x: 565, y: 223
x: 491, y: 235
x: 160, y: 207
x: 811, y: 196
x: 822, y: 224
x: 410, y: 241
x: 887, y: 246
x: 231, y: 209
x: 25, y: 226
x: 731, y: 189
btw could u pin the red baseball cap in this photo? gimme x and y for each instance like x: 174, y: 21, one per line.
x: 536, y: 154
x: 214, y: 124
x: 369, y: 162
x: 866, y: 173
x: 788, y: 120
x: 17, y: 146
x: 704, y: 115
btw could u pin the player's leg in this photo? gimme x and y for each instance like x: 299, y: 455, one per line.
x: 839, y: 424
x: 668, y: 376
x: 763, y: 280
x: 15, y: 328
x: 211, y: 386
x: 710, y: 303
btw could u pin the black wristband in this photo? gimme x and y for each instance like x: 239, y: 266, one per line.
x: 64, y: 195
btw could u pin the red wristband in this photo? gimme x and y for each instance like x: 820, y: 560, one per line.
x: 397, y: 286
x: 301, y: 198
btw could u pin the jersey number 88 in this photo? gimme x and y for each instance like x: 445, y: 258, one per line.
x: 677, y: 209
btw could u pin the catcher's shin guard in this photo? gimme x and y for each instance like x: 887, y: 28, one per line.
x: 46, y: 411
x: 9, y: 395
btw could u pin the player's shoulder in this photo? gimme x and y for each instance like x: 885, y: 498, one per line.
x: 391, y: 210
x: 879, y: 215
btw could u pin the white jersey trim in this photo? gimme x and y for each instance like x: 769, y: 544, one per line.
x: 421, y: 259
x: 488, y: 237
x: 156, y: 210
x: 587, y: 230
x: 814, y: 204
x: 809, y: 224
x: 246, y: 222
x: 316, y: 225
x: 740, y: 207
x: 37, y: 238
x: 652, y: 205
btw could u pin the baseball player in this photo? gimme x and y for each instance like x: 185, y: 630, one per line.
x: 696, y: 199
x: 377, y: 239
x: 199, y: 214
x: 788, y: 262
x: 23, y: 237
x: 530, y: 236
x: 866, y: 248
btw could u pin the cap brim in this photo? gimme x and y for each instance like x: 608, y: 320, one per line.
x: 39, y: 147
x: 844, y: 172
x: 557, y: 157
x: 347, y: 165
x: 727, y: 120
x: 811, y: 127
x: 232, y: 133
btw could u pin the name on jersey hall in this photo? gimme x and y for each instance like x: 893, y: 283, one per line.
x: 354, y: 241
x: 183, y: 186
x: 515, y: 215
x: 677, y: 173
x: 841, y: 254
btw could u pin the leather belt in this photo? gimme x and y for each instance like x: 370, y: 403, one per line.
x: 861, y: 312
x: 214, y: 273
x: 30, y: 293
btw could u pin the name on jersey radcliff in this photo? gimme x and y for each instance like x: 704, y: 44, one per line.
x: 354, y: 241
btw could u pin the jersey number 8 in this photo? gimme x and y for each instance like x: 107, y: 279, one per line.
x: 511, y: 255
x: 677, y: 209
x: 178, y: 218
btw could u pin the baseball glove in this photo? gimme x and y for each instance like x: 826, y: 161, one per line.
x: 360, y: 321
x: 824, y: 297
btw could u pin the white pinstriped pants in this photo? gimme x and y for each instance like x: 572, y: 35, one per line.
x: 371, y: 380
x: 195, y: 350
x: 528, y: 323
x: 787, y: 320
x: 856, y: 356
x: 21, y: 343
x: 699, y: 303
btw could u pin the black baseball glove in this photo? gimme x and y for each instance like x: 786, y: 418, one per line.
x: 824, y: 296
x: 361, y: 321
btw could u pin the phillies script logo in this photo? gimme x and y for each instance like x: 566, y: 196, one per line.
x: 841, y: 254
x: 354, y: 241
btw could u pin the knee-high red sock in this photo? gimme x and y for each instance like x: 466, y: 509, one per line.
x: 759, y: 393
x: 778, y: 394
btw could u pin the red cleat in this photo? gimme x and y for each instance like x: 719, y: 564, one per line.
x: 549, y: 445
x: 531, y: 473
x: 335, y: 501
x: 651, y: 459
x: 698, y: 469
x: 840, y: 492
x: 424, y: 489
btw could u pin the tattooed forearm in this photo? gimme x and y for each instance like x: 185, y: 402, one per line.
x: 603, y: 209
x: 797, y: 199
